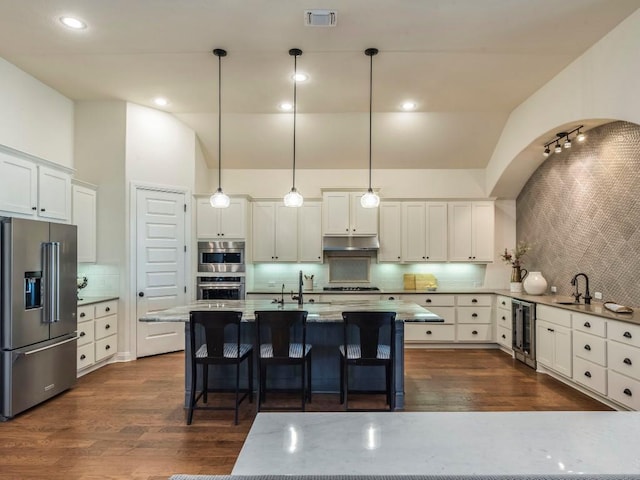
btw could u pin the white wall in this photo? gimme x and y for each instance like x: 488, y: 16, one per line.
x: 601, y: 84
x: 389, y: 183
x: 34, y: 118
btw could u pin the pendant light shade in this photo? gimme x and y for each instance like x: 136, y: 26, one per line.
x: 370, y: 199
x: 219, y: 199
x: 294, y: 198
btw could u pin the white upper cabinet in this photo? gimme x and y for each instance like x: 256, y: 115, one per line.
x: 344, y: 215
x: 34, y: 191
x: 310, y: 232
x: 390, y: 232
x: 424, y: 231
x: 471, y: 227
x: 275, y: 232
x: 221, y: 223
x: 84, y: 216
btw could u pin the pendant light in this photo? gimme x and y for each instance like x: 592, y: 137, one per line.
x: 220, y: 199
x: 370, y: 199
x: 293, y: 198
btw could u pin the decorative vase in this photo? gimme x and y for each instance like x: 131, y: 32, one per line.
x: 516, y: 278
x: 535, y: 284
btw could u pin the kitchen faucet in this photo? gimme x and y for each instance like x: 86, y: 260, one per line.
x: 577, y: 294
x: 299, y: 296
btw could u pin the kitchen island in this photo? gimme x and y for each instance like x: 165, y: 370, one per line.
x: 324, y: 332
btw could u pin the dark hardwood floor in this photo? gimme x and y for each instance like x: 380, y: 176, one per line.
x: 126, y: 420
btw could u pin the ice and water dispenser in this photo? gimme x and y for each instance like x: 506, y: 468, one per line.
x: 32, y: 290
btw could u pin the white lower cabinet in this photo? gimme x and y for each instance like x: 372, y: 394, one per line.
x: 590, y: 375
x: 421, y: 332
x: 97, y: 334
x: 473, y: 318
x: 624, y: 390
x: 623, y: 357
x: 553, y: 347
x: 504, y: 331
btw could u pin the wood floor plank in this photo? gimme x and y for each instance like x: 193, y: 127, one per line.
x: 126, y: 420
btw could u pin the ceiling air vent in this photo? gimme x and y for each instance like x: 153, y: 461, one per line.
x: 320, y: 18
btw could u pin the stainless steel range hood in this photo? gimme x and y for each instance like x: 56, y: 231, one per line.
x: 351, y: 244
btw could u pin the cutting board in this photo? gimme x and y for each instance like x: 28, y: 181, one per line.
x: 426, y: 281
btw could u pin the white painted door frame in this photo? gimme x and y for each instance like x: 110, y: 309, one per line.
x: 132, y: 253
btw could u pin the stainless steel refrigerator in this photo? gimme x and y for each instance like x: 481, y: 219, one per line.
x: 38, y: 271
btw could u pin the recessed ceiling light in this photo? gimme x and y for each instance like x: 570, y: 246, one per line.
x: 286, y: 106
x: 72, y: 22
x: 409, y: 106
x: 300, y: 77
x: 161, y: 102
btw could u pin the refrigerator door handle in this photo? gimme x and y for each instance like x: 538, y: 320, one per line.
x: 48, y: 347
x: 56, y: 282
x: 52, y: 282
x: 47, y: 267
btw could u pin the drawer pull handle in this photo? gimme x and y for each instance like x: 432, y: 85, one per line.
x: 504, y: 337
x: 550, y: 330
x: 107, y: 347
x: 504, y: 318
x: 107, y: 309
x: 391, y: 298
x: 428, y: 332
x: 626, y: 335
x: 627, y: 392
x: 474, y: 315
x: 82, y: 314
x: 428, y: 300
x: 627, y: 361
x: 587, y: 324
x: 503, y: 302
x: 587, y: 347
x: 83, y: 356
x: 107, y: 326
x: 475, y: 332
x: 587, y: 374
x: 82, y: 334
x: 475, y: 300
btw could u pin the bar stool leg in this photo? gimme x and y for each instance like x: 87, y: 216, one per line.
x: 192, y: 399
x: 250, y: 368
x: 205, y: 382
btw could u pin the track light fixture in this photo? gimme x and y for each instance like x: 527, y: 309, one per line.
x: 580, y: 137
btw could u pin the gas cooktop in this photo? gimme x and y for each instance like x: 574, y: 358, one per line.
x: 351, y: 289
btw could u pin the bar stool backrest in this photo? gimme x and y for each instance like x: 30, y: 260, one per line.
x: 369, y: 326
x: 213, y: 324
x: 280, y: 328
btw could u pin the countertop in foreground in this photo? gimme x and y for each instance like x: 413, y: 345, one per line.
x: 442, y: 443
x: 318, y: 312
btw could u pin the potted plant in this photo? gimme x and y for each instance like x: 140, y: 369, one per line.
x: 514, y: 258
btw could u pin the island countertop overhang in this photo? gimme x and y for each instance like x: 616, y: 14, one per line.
x: 317, y: 312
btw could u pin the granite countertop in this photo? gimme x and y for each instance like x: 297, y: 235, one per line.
x: 505, y: 444
x: 86, y: 300
x: 382, y: 291
x: 318, y: 312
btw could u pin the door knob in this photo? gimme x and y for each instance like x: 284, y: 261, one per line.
x: 141, y: 294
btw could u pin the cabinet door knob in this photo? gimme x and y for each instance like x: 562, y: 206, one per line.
x: 222, y: 234
x: 627, y: 392
x: 587, y: 374
x: 107, y: 309
x: 587, y: 324
x: 82, y: 314
x: 83, y: 356
x: 627, y: 361
x: 398, y: 258
x: 346, y: 230
x: 141, y: 294
x: 475, y: 300
x: 626, y: 335
x: 42, y: 210
x: 587, y: 347
x: 474, y: 315
x: 82, y: 334
x: 475, y: 332
x: 34, y: 208
x: 428, y: 300
x: 428, y: 332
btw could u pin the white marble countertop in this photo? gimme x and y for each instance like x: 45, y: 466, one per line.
x: 318, y: 311
x: 458, y: 443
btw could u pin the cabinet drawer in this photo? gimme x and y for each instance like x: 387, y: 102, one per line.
x: 448, y: 313
x: 503, y: 318
x: 554, y: 315
x: 106, y: 326
x: 474, y: 300
x: 106, y: 347
x: 85, y: 313
x: 624, y: 332
x: 474, y: 333
x: 503, y: 303
x: 432, y: 300
x: 624, y: 390
x: 85, y: 333
x: 590, y: 375
x: 504, y: 336
x: 590, y: 324
x: 427, y: 332
x: 106, y: 308
x: 590, y: 348
x: 86, y: 356
x: 474, y: 315
x: 624, y: 359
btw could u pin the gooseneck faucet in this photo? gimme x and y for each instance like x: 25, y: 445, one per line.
x: 298, y: 297
x: 577, y: 294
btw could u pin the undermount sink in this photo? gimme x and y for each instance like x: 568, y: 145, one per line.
x: 567, y: 303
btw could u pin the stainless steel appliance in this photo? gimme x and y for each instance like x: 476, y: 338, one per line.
x: 524, y: 331
x: 221, y: 257
x: 221, y: 288
x: 38, y: 268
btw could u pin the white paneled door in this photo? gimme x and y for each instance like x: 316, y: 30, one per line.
x: 161, y: 262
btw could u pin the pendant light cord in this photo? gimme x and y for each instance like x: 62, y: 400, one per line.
x: 370, y: 112
x: 219, y: 122
x: 295, y: 103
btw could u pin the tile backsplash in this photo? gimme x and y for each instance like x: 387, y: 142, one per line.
x: 101, y: 279
x: 580, y: 210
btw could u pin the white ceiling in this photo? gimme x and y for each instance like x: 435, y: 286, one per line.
x: 467, y: 63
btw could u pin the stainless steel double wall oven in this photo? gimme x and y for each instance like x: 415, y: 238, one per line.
x: 221, y: 270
